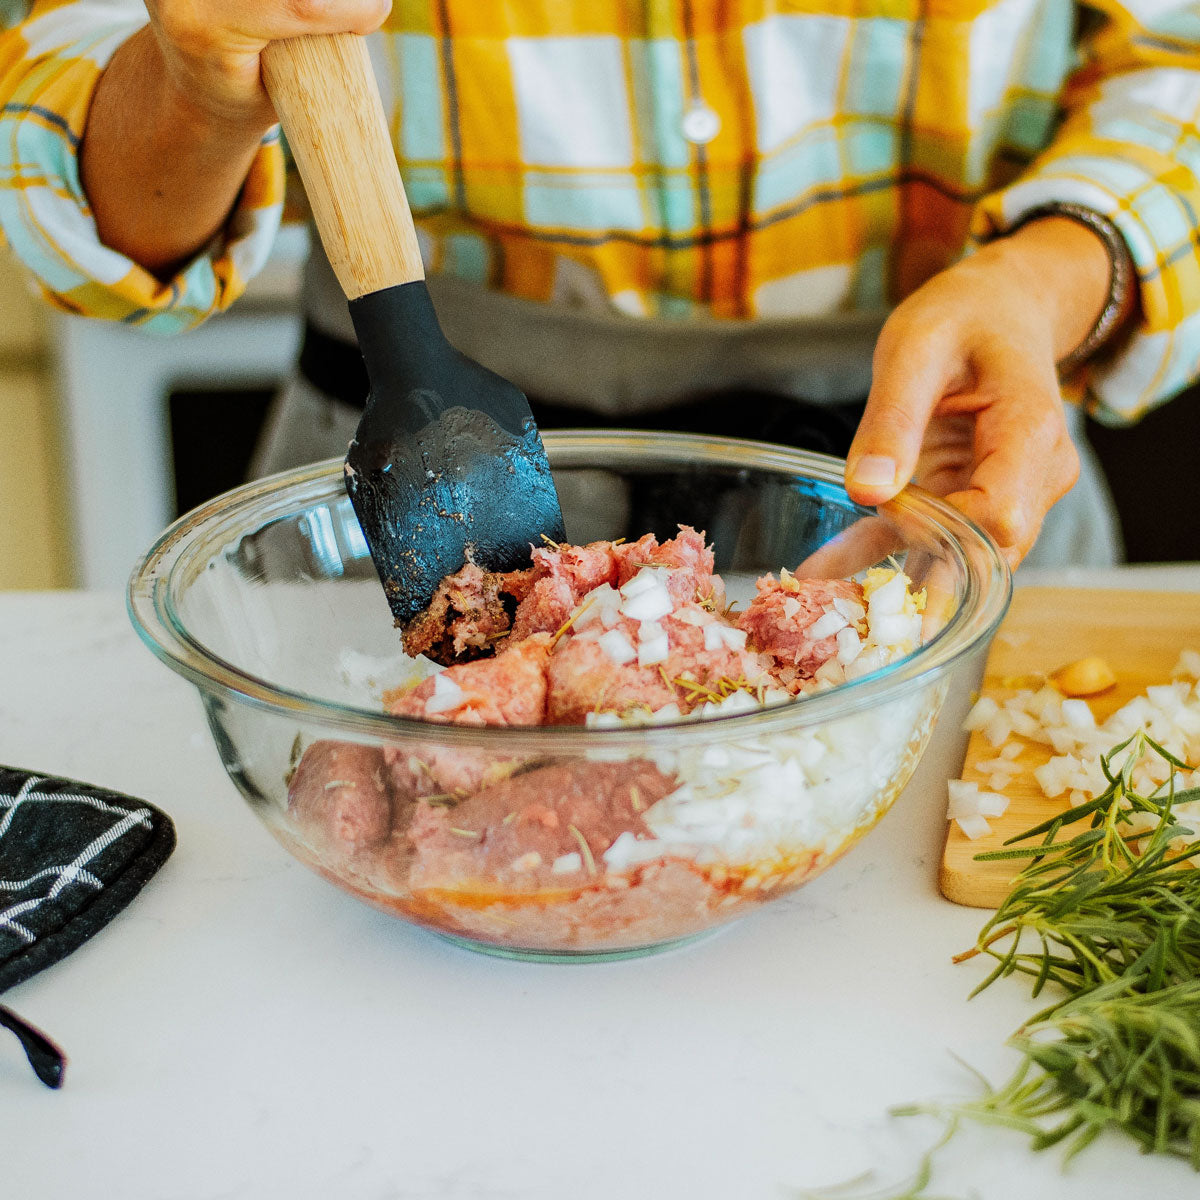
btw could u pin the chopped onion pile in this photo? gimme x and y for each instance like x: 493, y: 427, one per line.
x: 1169, y: 713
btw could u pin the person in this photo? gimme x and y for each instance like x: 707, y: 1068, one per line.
x: 981, y: 218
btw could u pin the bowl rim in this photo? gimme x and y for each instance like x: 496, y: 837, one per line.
x: 149, y: 600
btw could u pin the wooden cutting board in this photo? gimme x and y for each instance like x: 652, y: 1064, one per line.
x: 1141, y: 634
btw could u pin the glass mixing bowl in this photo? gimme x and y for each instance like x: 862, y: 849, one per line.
x: 266, y: 599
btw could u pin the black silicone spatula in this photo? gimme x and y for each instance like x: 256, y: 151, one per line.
x: 447, y: 462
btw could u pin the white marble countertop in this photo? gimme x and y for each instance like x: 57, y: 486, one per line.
x: 244, y: 1031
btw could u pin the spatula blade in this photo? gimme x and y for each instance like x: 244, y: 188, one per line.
x: 447, y: 463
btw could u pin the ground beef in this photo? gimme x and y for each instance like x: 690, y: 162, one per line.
x: 469, y: 612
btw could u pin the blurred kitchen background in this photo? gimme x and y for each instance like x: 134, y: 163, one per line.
x: 107, y: 433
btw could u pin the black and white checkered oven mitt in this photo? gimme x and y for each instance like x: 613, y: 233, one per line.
x: 71, y: 857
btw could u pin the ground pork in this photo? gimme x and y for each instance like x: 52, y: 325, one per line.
x: 509, y: 689
x: 473, y: 609
x: 663, y: 900
x: 340, y: 797
x: 512, y: 833
x: 582, y: 677
x: 779, y: 619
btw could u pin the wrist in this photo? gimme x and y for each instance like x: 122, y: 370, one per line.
x: 1075, y: 262
x: 1064, y: 269
x: 208, y: 92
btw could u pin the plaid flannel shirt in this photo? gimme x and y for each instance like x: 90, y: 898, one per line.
x: 840, y: 155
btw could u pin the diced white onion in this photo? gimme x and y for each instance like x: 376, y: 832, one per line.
x: 617, y: 646
x: 964, y: 799
x: 567, y: 864
x: 849, y: 646
x: 446, y: 695
x: 602, y: 720
x: 888, y: 599
x: 831, y: 671
x: 974, y: 827
x: 850, y: 609
x: 791, y: 606
x: 629, y: 850
x: 868, y: 661
x: 983, y: 710
x: 1169, y: 713
x: 1077, y: 714
x: 644, y: 580
x: 648, y: 605
x: 713, y: 640
x: 998, y: 728
x: 653, y: 650
x: 641, y: 582
x: 992, y: 804
x: 600, y: 604
x: 827, y: 625
x: 734, y: 639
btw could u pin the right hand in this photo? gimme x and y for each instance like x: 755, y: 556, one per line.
x: 210, y: 48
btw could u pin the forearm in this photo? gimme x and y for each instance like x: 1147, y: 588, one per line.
x: 161, y: 173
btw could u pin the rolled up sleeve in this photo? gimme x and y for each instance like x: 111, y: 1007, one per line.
x: 1128, y: 149
x: 50, y: 64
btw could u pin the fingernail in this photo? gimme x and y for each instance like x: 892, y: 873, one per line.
x: 874, y: 470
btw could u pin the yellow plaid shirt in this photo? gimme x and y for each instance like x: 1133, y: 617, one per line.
x: 739, y: 158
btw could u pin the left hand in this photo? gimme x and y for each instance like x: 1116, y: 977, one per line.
x: 964, y: 397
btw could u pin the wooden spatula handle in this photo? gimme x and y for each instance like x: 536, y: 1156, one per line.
x: 325, y: 93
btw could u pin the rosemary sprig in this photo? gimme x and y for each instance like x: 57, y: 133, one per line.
x: 1110, y: 915
x: 1094, y: 903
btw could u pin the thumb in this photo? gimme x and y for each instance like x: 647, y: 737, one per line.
x: 909, y: 378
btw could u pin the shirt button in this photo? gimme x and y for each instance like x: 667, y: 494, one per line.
x: 700, y: 124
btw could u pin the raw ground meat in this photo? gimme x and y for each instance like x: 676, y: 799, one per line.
x: 469, y: 610
x: 511, y: 834
x: 779, y: 618
x: 340, y: 797
x: 473, y: 608
x: 667, y: 899
x: 468, y: 839
x: 582, y: 678
x: 509, y: 689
